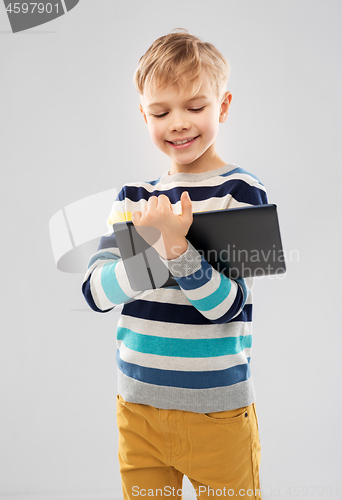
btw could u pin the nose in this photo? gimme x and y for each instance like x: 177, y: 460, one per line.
x: 179, y: 122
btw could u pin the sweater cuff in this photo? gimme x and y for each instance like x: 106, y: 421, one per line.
x: 184, y: 265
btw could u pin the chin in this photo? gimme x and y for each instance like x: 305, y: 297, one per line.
x: 186, y: 161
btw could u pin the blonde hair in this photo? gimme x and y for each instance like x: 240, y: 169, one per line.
x: 180, y: 57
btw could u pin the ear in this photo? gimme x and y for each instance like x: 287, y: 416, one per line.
x: 227, y: 99
x: 143, y: 112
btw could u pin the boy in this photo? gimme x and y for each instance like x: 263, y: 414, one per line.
x: 186, y: 397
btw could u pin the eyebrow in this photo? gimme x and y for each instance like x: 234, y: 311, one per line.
x: 165, y: 103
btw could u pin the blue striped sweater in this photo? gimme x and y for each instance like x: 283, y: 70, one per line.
x: 185, y: 347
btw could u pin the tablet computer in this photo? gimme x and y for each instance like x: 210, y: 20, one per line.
x: 239, y: 242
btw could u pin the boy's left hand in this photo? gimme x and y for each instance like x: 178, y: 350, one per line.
x: 158, y: 213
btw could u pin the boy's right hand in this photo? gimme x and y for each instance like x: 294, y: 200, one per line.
x: 158, y: 213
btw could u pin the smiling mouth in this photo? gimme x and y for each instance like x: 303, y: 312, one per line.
x: 179, y: 143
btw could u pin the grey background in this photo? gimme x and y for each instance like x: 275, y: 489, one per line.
x: 70, y: 128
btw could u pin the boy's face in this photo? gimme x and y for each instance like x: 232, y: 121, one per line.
x: 172, y: 118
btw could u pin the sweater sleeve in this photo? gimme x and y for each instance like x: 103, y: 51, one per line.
x: 214, y: 295
x: 105, y: 284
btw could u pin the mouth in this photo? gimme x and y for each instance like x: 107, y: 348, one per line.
x: 183, y: 143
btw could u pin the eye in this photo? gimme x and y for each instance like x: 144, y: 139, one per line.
x: 196, y: 109
x: 160, y: 116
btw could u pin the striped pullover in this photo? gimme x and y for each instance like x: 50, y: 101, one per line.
x: 185, y: 347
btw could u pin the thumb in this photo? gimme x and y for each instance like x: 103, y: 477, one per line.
x: 186, y: 206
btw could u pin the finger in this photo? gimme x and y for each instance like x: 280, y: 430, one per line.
x: 152, y: 202
x: 136, y: 216
x: 186, y: 206
x: 164, y: 201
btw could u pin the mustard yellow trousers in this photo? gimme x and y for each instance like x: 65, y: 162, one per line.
x: 219, y: 452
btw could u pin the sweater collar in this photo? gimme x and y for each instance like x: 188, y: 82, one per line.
x: 187, y: 177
